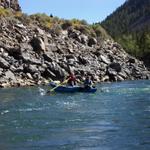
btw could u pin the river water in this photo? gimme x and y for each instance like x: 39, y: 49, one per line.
x: 116, y: 117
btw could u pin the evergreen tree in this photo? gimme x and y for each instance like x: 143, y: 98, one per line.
x: 129, y: 25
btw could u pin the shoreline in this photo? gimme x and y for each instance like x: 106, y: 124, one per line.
x: 33, y: 84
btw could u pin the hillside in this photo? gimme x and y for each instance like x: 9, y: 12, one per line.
x: 38, y: 48
x: 130, y: 26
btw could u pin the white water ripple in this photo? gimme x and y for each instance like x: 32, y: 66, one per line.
x: 42, y: 91
x: 67, y: 105
x: 5, y: 112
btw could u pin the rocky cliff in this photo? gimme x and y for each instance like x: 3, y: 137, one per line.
x: 11, y: 4
x: 31, y: 54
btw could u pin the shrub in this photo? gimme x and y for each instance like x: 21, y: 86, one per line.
x: 56, y: 29
x: 76, y: 23
x: 5, y: 12
x: 24, y: 18
x: 99, y: 31
x: 45, y: 21
x: 66, y: 24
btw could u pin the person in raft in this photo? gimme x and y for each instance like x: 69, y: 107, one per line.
x: 88, y: 82
x: 72, y: 79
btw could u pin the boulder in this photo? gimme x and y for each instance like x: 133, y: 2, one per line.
x: 15, y: 52
x: 19, y: 69
x: 104, y: 59
x: 49, y: 74
x: 71, y: 62
x: 123, y: 75
x: 65, y: 66
x: 82, y: 60
x: 84, y: 39
x: 12, y: 68
x: 10, y: 76
x: 97, y: 53
x: 28, y: 58
x: 29, y: 76
x: 30, y: 68
x: 41, y: 68
x: 39, y: 31
x: 111, y: 72
x: 1, y: 50
x: 115, y: 66
x: 38, y: 44
x: 1, y: 72
x: 57, y: 70
x: 4, y: 64
x: 25, y: 57
x: 119, y: 78
x: 75, y: 35
x: 105, y: 78
x: 47, y: 57
x: 36, y: 76
x: 20, y: 26
x: 92, y: 41
x: 70, y: 50
x: 132, y: 60
x: 35, y: 61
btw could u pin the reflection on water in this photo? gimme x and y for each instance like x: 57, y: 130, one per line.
x: 116, y: 117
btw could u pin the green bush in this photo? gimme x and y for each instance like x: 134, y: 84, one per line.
x: 24, y: 18
x: 66, y: 24
x: 99, y: 31
x: 5, y: 12
x: 55, y: 25
x: 56, y: 29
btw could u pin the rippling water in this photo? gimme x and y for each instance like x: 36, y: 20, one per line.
x: 116, y: 117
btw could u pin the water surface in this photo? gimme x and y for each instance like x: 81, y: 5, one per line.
x: 116, y: 117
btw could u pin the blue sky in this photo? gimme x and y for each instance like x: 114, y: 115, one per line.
x: 90, y: 10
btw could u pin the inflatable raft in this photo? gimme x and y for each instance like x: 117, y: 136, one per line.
x: 72, y: 89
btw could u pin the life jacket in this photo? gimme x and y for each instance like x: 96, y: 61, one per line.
x: 87, y: 82
x: 72, y: 78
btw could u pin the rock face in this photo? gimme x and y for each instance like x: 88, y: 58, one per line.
x: 28, y: 57
x: 13, y: 4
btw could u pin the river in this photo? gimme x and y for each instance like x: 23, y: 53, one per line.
x: 116, y: 117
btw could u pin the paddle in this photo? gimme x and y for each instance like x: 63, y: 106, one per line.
x: 51, y: 90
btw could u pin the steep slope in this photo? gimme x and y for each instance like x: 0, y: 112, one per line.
x: 130, y: 26
x: 32, y: 54
x: 10, y: 4
x: 131, y: 16
x: 38, y: 48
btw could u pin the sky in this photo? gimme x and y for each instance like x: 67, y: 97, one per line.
x: 90, y: 10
